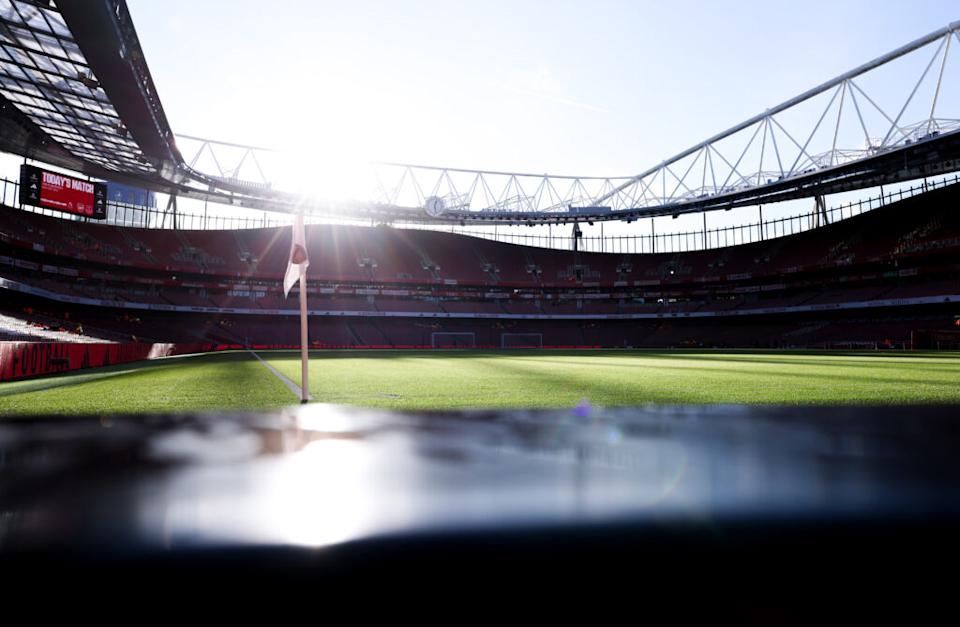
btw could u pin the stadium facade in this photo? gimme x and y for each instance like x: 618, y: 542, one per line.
x: 76, y: 94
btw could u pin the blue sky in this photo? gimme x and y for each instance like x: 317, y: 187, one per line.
x: 595, y: 87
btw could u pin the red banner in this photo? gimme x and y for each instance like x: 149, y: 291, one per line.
x: 28, y: 359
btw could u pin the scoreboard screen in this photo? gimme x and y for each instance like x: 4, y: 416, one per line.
x: 52, y: 190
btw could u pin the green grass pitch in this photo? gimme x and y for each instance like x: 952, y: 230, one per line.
x: 482, y: 379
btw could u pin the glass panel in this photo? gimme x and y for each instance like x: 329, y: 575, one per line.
x: 50, y: 45
x: 73, y: 52
x: 7, y: 11
x: 43, y: 62
x: 32, y: 17
x: 19, y: 56
x: 56, y: 24
x: 24, y: 38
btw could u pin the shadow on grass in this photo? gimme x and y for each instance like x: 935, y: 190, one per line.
x: 945, y: 369
x: 558, y: 357
x: 693, y: 353
x: 589, y: 382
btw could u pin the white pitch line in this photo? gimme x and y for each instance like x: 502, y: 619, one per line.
x: 293, y: 387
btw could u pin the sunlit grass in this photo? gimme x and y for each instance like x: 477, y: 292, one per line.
x: 466, y: 379
x: 458, y: 379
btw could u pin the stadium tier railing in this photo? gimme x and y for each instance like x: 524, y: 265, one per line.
x: 721, y: 237
x: 218, y: 218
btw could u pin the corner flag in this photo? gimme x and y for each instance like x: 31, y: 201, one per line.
x: 299, y: 262
x: 297, y: 271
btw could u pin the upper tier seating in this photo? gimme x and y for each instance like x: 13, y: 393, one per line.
x: 387, y: 256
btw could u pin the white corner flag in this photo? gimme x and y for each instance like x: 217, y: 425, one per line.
x: 297, y: 271
x: 299, y: 262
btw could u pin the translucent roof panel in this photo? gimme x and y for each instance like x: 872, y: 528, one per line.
x: 44, y: 74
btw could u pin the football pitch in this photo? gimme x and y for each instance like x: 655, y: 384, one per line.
x: 404, y: 379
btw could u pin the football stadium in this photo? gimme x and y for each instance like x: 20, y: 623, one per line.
x: 232, y: 362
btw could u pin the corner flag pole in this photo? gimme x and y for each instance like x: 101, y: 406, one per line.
x: 297, y: 271
x: 304, y: 395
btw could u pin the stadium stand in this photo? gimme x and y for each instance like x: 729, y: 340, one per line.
x: 894, y: 266
x: 30, y: 326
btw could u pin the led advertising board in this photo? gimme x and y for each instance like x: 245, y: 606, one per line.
x: 52, y: 190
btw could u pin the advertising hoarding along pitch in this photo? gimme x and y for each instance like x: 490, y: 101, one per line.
x: 52, y: 190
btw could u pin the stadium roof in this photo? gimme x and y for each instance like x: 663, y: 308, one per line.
x: 76, y: 92
x: 104, y: 123
x: 44, y: 73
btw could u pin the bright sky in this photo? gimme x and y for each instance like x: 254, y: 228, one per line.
x: 598, y: 87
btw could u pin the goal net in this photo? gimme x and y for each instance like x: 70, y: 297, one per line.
x: 521, y: 340
x: 443, y: 339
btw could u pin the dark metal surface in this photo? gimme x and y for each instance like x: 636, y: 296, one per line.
x: 321, y: 475
x: 710, y: 514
